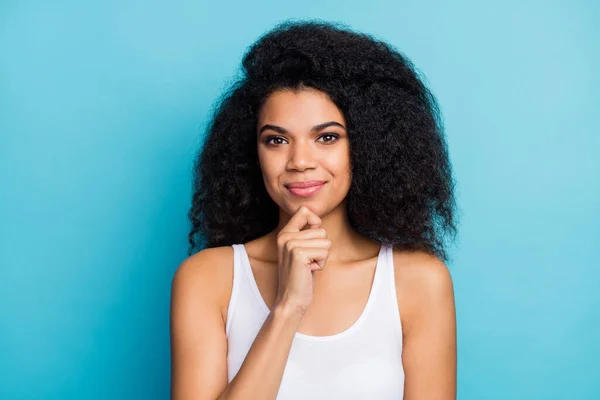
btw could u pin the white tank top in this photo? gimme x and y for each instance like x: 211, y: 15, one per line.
x: 362, y: 362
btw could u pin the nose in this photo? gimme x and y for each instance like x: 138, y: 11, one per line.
x: 301, y: 156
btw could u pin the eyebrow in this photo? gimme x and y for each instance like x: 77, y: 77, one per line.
x: 315, y: 128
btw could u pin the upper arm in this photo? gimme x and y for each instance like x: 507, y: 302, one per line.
x: 198, y: 341
x: 426, y: 300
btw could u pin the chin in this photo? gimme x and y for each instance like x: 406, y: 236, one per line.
x: 291, y: 209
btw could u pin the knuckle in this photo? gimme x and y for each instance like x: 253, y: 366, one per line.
x: 289, y: 245
x: 280, y: 240
x: 296, y: 252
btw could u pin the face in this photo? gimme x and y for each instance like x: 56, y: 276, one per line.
x: 301, y: 136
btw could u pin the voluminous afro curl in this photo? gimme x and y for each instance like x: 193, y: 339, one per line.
x: 402, y: 186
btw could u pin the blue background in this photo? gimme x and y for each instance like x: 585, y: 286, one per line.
x: 102, y: 105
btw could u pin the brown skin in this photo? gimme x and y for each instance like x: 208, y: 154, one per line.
x: 202, y: 283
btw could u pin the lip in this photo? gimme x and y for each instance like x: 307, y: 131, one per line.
x: 304, y: 184
x: 305, y: 189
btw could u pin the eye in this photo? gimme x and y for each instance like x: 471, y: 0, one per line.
x: 334, y: 136
x: 268, y: 140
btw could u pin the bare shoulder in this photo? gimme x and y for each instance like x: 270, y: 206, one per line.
x: 206, y: 276
x: 422, y: 269
x: 423, y: 285
x: 199, y: 291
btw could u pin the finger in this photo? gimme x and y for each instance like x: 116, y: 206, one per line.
x: 314, y: 233
x: 308, y: 243
x: 318, y: 265
x: 313, y: 257
x: 304, y: 216
x: 307, y: 234
x: 290, y: 245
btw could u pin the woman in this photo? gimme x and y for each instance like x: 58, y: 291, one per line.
x: 324, y: 191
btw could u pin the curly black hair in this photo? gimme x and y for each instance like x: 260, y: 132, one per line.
x: 402, y: 189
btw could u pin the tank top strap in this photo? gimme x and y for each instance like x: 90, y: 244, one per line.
x: 245, y: 294
x: 238, y: 281
x: 389, y: 288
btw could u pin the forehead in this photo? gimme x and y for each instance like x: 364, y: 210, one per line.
x: 303, y: 108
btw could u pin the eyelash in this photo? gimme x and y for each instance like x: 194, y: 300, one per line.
x: 325, y: 134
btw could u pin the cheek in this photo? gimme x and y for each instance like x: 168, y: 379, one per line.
x: 340, y: 165
x: 271, y: 167
x: 270, y: 177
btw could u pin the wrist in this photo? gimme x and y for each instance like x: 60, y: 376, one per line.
x: 285, y: 309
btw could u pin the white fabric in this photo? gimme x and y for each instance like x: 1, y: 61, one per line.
x: 362, y: 362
